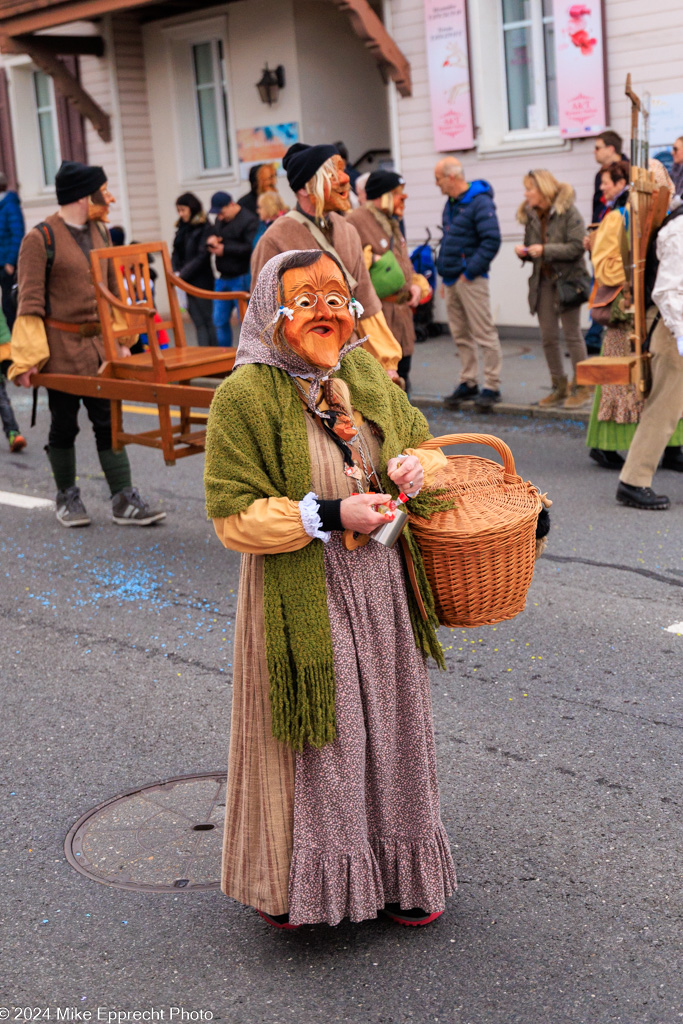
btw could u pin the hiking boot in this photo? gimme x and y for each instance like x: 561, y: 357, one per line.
x: 70, y: 509
x: 129, y: 508
x: 579, y: 395
x: 462, y: 393
x: 557, y: 395
x: 641, y: 497
x: 486, y: 399
x: 413, y: 917
x: 16, y: 441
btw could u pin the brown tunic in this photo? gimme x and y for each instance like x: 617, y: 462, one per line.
x: 72, y: 296
x: 398, y: 314
x: 286, y: 233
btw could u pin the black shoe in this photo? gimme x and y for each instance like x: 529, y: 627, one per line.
x: 487, y: 399
x: 608, y: 460
x: 641, y: 497
x: 462, y: 393
x: 70, y: 509
x: 416, y: 916
x: 673, y: 459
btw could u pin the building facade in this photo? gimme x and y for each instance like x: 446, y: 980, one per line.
x: 166, y: 99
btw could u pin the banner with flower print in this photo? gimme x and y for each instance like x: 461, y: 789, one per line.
x: 449, y: 74
x: 580, y: 63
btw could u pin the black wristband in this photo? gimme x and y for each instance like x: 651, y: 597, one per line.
x: 330, y: 514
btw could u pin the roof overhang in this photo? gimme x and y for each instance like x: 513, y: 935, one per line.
x: 21, y: 19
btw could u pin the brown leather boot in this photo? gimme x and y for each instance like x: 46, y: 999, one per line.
x: 557, y: 395
x: 579, y: 395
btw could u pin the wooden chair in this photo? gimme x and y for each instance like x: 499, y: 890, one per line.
x: 157, y: 376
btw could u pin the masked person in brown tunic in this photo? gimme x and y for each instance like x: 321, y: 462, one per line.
x: 316, y: 174
x: 378, y: 222
x: 332, y: 804
x: 57, y: 330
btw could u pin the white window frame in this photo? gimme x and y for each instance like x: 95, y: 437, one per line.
x: 536, y: 22
x: 180, y: 40
x: 221, y: 91
x: 489, y: 87
x: 51, y: 111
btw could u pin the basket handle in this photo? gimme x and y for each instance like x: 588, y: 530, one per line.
x: 494, y: 442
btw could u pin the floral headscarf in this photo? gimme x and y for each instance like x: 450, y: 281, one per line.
x: 263, y: 317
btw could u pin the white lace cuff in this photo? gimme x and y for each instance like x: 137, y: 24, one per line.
x: 310, y: 517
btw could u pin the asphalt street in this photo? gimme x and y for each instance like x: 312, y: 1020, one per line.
x: 558, y: 739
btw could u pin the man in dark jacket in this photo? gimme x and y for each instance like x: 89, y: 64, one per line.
x: 471, y: 239
x: 11, y: 234
x: 231, y: 243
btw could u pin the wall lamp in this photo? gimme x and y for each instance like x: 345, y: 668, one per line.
x: 270, y: 83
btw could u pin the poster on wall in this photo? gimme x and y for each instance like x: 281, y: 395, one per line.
x: 449, y: 74
x: 580, y: 62
x: 265, y: 145
x: 666, y: 125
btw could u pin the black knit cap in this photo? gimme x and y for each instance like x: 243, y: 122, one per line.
x: 301, y: 162
x: 381, y: 182
x: 73, y: 181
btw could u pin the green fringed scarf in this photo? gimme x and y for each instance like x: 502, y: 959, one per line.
x: 257, y: 447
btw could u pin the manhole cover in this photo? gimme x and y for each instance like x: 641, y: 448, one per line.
x: 166, y: 837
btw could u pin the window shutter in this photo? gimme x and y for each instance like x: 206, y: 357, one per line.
x: 70, y: 122
x: 7, y: 160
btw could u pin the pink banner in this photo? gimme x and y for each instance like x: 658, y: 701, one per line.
x: 449, y: 74
x: 579, y: 52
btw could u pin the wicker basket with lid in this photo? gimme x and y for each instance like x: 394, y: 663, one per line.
x: 479, y: 556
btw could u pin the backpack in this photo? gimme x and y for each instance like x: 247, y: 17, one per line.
x: 422, y: 259
x: 47, y: 234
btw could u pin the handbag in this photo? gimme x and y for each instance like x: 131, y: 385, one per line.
x: 608, y: 306
x: 386, y: 275
x: 573, y: 293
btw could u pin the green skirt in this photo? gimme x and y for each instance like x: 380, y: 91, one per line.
x: 617, y: 437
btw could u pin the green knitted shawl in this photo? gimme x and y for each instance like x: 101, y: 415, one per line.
x: 257, y: 447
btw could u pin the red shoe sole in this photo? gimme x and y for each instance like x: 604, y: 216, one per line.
x: 18, y: 444
x: 408, y: 922
x: 276, y: 924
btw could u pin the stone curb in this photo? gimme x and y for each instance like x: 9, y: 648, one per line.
x: 506, y: 408
x: 509, y: 409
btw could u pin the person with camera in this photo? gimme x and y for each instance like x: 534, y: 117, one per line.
x: 230, y: 242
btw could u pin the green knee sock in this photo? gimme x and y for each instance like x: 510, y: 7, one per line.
x: 63, y: 463
x: 116, y: 468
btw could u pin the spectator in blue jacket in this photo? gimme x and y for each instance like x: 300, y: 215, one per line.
x: 471, y: 239
x: 11, y: 234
